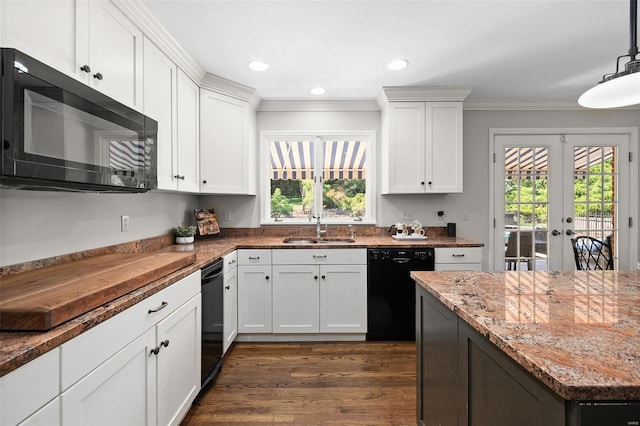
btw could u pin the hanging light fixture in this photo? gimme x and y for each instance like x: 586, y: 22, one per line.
x: 621, y: 88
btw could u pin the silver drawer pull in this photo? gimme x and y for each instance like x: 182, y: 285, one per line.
x: 159, y: 308
x: 315, y: 256
x: 231, y: 262
x: 254, y: 258
x: 458, y: 255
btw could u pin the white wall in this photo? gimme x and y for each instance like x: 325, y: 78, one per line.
x: 475, y: 198
x: 36, y: 224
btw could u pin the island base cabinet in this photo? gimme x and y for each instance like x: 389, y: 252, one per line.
x: 463, y: 379
x: 122, y: 391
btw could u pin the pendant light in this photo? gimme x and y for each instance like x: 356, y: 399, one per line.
x: 621, y: 88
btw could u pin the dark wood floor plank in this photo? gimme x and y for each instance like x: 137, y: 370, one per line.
x: 324, y: 384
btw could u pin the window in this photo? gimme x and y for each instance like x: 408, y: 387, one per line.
x: 306, y: 175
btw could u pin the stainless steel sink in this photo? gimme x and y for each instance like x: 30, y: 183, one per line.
x: 313, y: 240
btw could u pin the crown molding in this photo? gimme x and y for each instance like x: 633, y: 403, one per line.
x: 155, y: 31
x: 319, y: 106
x: 495, y: 105
x: 426, y: 93
x: 228, y: 87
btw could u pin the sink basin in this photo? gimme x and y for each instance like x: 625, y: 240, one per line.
x: 313, y: 240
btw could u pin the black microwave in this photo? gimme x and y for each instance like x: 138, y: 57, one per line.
x: 60, y: 134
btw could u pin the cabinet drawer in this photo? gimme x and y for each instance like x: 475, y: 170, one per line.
x: 25, y: 390
x: 458, y: 255
x: 81, y: 355
x: 320, y: 256
x: 458, y: 267
x: 254, y: 257
x: 230, y: 262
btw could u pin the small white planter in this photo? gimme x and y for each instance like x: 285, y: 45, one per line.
x: 184, y: 240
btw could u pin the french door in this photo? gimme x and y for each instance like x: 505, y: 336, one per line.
x: 551, y: 186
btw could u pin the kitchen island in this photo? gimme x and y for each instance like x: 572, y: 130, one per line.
x: 528, y: 348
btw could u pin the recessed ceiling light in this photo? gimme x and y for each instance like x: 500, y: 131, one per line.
x: 318, y: 91
x: 258, y: 66
x: 397, y: 64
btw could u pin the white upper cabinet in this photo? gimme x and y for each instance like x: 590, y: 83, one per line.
x: 24, y: 23
x: 226, y: 146
x: 114, y: 53
x: 160, y: 95
x: 422, y: 140
x: 89, y: 40
x: 188, y: 107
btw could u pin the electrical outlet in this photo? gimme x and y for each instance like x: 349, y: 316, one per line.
x: 465, y: 214
x: 124, y: 223
x: 227, y: 215
x: 405, y: 215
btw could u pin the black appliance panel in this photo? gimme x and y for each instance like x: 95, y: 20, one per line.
x: 58, y: 133
x: 391, y: 292
x: 212, y: 320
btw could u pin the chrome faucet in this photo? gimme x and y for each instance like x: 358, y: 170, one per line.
x: 319, y: 230
x: 352, y: 232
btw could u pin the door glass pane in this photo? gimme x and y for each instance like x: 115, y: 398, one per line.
x: 526, y: 208
x: 291, y: 178
x: 595, y: 194
x: 344, y: 179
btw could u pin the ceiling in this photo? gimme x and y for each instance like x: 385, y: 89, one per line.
x: 509, y: 51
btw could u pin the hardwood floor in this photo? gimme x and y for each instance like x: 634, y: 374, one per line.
x: 355, y: 383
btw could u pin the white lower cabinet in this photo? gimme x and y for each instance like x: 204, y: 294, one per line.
x: 343, y: 299
x: 458, y: 259
x: 46, y: 416
x: 178, y: 380
x: 319, y: 291
x: 121, y: 391
x: 296, y: 299
x: 26, y: 393
x: 254, y: 299
x: 141, y: 367
x: 230, y: 309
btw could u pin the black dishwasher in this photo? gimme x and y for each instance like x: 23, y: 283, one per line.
x: 391, y: 294
x: 212, y: 320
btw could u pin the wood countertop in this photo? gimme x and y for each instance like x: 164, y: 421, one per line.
x: 18, y: 348
x: 578, y: 332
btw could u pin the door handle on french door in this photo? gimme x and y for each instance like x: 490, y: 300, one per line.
x: 569, y: 232
x: 555, y: 232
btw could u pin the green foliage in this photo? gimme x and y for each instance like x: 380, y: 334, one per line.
x: 280, y: 205
x: 184, y: 231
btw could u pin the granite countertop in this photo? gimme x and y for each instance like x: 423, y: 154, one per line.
x: 578, y: 332
x: 18, y: 348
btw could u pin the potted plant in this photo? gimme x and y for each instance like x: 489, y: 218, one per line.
x: 184, y: 234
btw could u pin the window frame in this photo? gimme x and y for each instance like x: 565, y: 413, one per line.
x: 267, y: 136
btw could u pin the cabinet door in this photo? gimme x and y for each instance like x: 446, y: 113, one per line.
x: 343, y: 299
x: 178, y: 361
x: 230, y: 310
x: 115, y: 53
x: 121, y: 391
x: 406, y: 150
x: 160, y: 91
x: 45, y: 30
x: 444, y: 147
x: 296, y: 299
x: 188, y: 131
x: 224, y: 157
x: 254, y: 299
x: 46, y: 416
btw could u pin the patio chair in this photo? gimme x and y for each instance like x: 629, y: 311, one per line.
x: 526, y: 250
x: 592, y: 254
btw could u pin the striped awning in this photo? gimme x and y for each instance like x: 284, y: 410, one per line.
x: 534, y: 159
x: 342, y: 159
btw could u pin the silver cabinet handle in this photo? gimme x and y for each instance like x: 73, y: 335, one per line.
x: 159, y: 308
x: 458, y: 255
x: 315, y: 256
x: 254, y: 258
